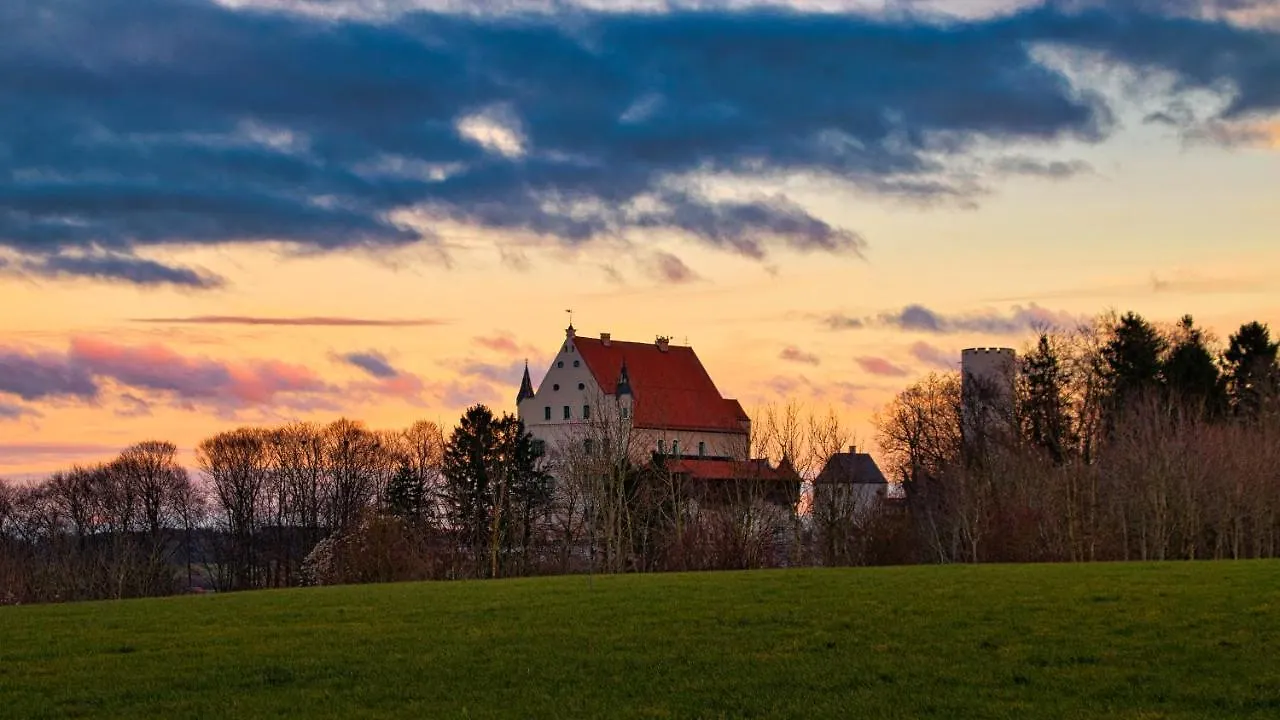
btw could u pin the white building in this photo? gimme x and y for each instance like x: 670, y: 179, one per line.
x: 656, y: 395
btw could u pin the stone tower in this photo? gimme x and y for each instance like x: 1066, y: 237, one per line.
x: 987, y: 389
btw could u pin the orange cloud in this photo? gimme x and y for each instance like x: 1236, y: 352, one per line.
x: 880, y: 366
x: 1271, y: 135
x: 504, y: 344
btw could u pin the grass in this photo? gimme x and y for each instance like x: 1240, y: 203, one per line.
x: 1174, y: 640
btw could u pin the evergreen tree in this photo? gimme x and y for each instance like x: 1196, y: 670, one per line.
x: 1251, y: 368
x: 405, y: 493
x: 1132, y: 359
x: 1189, y: 372
x: 528, y: 489
x: 1046, y: 423
x: 491, y: 481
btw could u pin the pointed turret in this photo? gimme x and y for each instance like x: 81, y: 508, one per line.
x: 624, y: 381
x: 526, y: 386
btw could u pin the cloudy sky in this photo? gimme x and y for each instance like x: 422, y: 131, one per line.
x: 250, y: 211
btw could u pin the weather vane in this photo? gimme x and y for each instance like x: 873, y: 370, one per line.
x: 570, y: 317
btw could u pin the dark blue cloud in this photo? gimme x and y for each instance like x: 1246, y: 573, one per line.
x: 372, y: 362
x: 1201, y: 54
x: 36, y: 376
x: 118, y: 267
x: 131, y: 123
x: 10, y: 411
x: 1052, y: 169
x: 916, y: 318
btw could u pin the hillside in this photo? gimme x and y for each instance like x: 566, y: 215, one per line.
x: 1106, y: 640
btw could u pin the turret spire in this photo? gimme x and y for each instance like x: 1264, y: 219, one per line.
x: 624, y: 381
x: 526, y: 386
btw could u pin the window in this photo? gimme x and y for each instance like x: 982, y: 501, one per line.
x: 539, y: 447
x: 586, y: 412
x: 662, y: 447
x: 576, y: 363
x: 556, y: 387
x: 626, y: 413
x: 586, y: 446
x: 568, y: 414
x: 546, y: 413
x: 560, y: 363
x: 675, y: 447
x: 582, y: 386
x: 702, y: 449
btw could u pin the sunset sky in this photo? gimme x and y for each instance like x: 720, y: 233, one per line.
x: 248, y: 212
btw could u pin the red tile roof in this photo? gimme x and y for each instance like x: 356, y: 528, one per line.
x: 715, y: 469
x: 672, y: 390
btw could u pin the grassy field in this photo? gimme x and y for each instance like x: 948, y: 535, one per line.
x: 1108, y: 641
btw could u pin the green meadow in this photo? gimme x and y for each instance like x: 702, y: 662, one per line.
x: 1172, y: 640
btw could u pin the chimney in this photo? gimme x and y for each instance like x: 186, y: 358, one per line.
x: 663, y: 343
x: 853, y: 449
x: 605, y: 339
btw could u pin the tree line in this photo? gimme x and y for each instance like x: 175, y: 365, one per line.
x: 1123, y: 440
x: 303, y: 504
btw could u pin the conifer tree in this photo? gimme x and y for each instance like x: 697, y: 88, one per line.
x: 405, y: 493
x: 1046, y: 422
x: 1189, y: 372
x: 491, y: 482
x: 1251, y: 369
x: 1132, y: 359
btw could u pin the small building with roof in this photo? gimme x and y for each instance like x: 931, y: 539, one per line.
x: 850, y: 485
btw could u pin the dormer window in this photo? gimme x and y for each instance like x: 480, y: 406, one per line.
x: 662, y: 447
x: 702, y: 449
x: 675, y: 447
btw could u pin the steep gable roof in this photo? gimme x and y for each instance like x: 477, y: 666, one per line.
x: 672, y: 389
x: 851, y: 468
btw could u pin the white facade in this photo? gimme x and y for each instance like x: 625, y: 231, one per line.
x: 558, y: 404
x: 570, y: 412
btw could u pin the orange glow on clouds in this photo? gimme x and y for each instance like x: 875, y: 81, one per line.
x: 1271, y: 133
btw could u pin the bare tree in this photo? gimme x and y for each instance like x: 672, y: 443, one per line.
x: 237, y: 467
x: 359, y: 464
x: 920, y: 438
x: 422, y: 445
